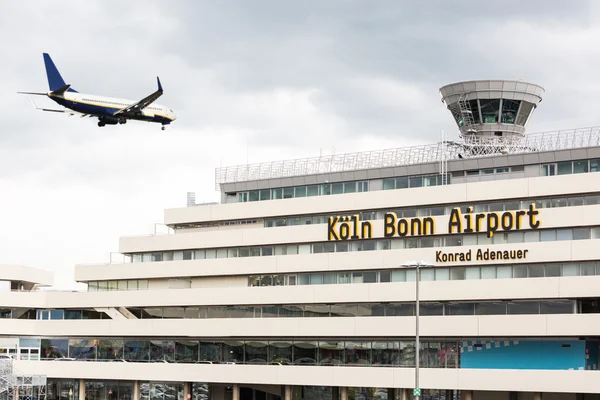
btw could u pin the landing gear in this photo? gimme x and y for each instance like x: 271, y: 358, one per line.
x: 163, y: 128
x: 122, y: 120
x: 101, y: 124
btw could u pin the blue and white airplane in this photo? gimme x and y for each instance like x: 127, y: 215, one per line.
x: 108, y: 110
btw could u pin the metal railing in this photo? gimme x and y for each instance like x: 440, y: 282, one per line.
x: 450, y: 150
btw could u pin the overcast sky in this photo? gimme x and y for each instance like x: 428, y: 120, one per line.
x: 250, y: 81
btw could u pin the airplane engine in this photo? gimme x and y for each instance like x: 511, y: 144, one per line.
x: 108, y: 121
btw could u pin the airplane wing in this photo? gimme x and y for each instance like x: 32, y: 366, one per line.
x: 64, y: 110
x: 145, y: 102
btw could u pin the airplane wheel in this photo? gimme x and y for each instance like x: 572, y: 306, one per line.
x: 101, y: 124
x: 163, y: 128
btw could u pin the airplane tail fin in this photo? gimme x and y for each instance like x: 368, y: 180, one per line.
x: 55, y: 81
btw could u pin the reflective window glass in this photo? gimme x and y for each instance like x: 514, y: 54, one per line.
x: 427, y: 274
x: 490, y: 308
x: 565, y: 167
x: 524, y: 307
x: 385, y: 276
x: 402, y: 182
x: 509, y: 110
x: 536, y: 271
x: 581, y: 233
x: 547, y: 236
x: 416, y: 181
x: 548, y: 170
x: 442, y: 274
x: 564, y: 234
x: 370, y: 277
x: 570, y: 269
x: 460, y: 309
x: 488, y: 272
x: 350, y: 187
x: 472, y: 273
x: 431, y: 309
x: 589, y: 200
x: 575, y: 201
x: 503, y: 272
x: 389, y: 183
x: 580, y: 166
x: 532, y: 236
x: 300, y: 191
x: 253, y: 195
x: 337, y: 188
x: 457, y: 273
x: 552, y: 270
x: 587, y: 269
x: 489, y: 110
x: 520, y: 271
x: 524, y: 113
x: 557, y: 307
x: 288, y: 192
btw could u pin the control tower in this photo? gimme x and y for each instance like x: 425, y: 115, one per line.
x: 491, y: 109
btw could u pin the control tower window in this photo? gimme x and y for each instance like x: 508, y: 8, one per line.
x: 526, y: 109
x: 475, y: 111
x: 490, y: 110
x: 509, y: 111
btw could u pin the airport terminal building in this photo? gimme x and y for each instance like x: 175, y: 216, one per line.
x: 302, y: 282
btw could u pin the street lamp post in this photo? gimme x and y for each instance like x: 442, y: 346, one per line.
x: 417, y: 265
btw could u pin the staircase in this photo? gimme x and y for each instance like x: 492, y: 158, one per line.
x: 466, y: 113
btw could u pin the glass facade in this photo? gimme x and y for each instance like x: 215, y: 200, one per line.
x: 564, y: 306
x: 316, y: 351
x: 109, y: 390
x: 492, y: 111
x: 161, y: 390
x: 505, y: 271
x: 324, y: 189
x: 571, y: 167
x: 62, y: 389
x: 131, y: 284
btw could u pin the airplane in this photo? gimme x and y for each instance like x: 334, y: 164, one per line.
x: 108, y: 110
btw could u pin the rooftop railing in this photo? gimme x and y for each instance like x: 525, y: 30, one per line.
x: 470, y: 147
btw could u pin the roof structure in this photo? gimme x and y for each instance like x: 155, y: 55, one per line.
x: 470, y: 147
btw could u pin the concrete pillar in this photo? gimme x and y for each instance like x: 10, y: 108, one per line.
x: 187, y: 390
x: 235, y: 392
x: 286, y: 392
x: 537, y: 396
x: 403, y: 394
x: 136, y: 391
x: 343, y: 393
x: 81, y: 389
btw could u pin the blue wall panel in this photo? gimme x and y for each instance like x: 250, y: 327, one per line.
x: 515, y: 354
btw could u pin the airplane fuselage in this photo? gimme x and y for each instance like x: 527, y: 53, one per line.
x: 105, y: 107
